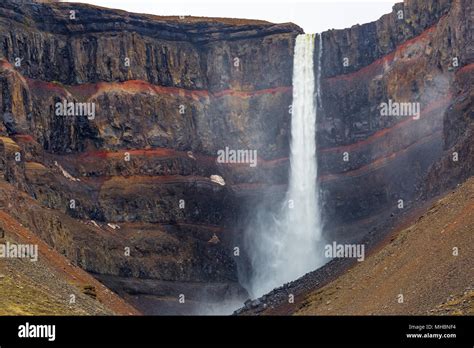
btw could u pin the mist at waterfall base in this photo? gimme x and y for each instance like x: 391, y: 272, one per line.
x: 285, y: 244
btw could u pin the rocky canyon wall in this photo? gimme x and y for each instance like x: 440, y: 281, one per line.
x: 421, y: 54
x: 127, y: 194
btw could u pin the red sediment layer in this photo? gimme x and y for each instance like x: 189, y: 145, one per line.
x: 162, y: 179
x: 439, y: 103
x: 159, y: 152
x: 465, y: 69
x: 42, y: 87
x: 5, y: 64
x: 168, y: 153
x: 128, y: 184
x: 164, y: 153
x: 379, y: 163
x: 375, y: 67
x: 89, y: 91
x: 384, y: 132
x: 171, y: 179
x: 23, y: 137
x: 376, y: 136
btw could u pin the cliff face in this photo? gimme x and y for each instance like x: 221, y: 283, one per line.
x: 51, y: 285
x: 421, y: 54
x: 168, y: 93
x: 156, y: 65
x: 127, y: 194
x: 426, y: 57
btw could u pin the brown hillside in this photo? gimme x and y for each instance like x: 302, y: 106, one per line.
x: 418, y: 263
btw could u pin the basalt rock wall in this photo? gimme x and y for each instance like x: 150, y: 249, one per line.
x: 126, y: 192
x: 420, y: 54
x: 130, y: 184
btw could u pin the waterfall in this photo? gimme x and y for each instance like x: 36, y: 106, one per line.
x: 318, y: 77
x: 287, y: 245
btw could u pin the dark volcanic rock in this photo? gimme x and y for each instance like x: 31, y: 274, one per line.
x: 389, y: 158
x: 169, y: 92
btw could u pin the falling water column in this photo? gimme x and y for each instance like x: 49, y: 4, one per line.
x: 285, y: 246
x: 302, y: 218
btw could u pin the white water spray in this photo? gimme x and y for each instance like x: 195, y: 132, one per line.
x: 285, y: 247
